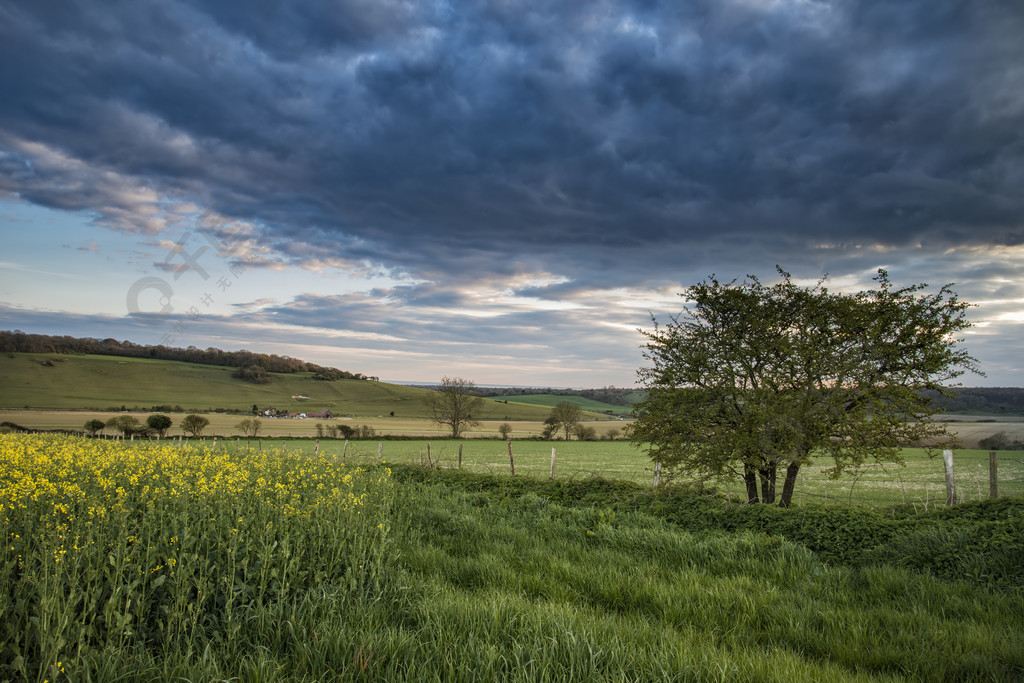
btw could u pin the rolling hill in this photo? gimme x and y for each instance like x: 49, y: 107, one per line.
x: 81, y: 382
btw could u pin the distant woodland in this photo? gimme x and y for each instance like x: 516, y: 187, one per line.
x: 19, y: 342
x: 984, y: 401
x: 616, y: 396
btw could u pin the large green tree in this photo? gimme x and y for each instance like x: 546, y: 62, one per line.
x: 752, y: 379
x: 159, y: 423
x: 455, y: 404
x: 126, y: 424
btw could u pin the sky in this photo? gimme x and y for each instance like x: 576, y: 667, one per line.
x: 504, y: 190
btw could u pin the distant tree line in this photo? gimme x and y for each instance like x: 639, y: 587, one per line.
x: 982, y: 401
x: 968, y: 400
x: 616, y: 396
x: 17, y: 341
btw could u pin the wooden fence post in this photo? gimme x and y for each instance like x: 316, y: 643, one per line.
x: 657, y: 473
x: 552, y: 463
x: 993, y: 480
x: 430, y: 463
x: 344, y: 452
x: 460, y: 455
x: 380, y: 451
x: 511, y: 462
x: 947, y: 462
x: 316, y: 449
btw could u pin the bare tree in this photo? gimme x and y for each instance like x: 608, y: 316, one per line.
x: 566, y: 415
x: 454, y: 404
x: 249, y: 427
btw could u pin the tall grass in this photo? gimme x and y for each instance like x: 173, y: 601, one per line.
x: 293, y: 571
x: 150, y: 551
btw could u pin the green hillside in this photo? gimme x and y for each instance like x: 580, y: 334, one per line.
x: 54, y: 381
x: 551, y: 400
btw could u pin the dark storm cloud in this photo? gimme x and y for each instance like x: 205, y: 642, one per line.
x: 611, y: 140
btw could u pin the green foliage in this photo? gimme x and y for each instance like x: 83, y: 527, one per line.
x: 126, y: 424
x: 159, y: 423
x: 252, y: 373
x: 754, y: 378
x: 505, y: 430
x: 94, y: 426
x: 194, y: 424
x: 1001, y: 441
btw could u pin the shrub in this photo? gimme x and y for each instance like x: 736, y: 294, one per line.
x: 159, y: 424
x: 194, y: 424
x: 93, y: 426
x: 252, y: 373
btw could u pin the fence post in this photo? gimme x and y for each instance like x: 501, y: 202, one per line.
x: 380, y: 451
x: 657, y: 473
x: 947, y: 461
x: 430, y: 463
x: 552, y: 463
x: 511, y: 462
x: 344, y: 452
x: 214, y: 443
x: 993, y: 480
x: 460, y: 455
x: 316, y: 449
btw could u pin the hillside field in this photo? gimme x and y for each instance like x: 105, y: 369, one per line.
x: 551, y: 400
x: 105, y: 382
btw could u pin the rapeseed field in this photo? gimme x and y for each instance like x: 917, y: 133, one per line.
x: 153, y: 548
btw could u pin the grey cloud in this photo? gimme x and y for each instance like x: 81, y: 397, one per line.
x: 612, y: 143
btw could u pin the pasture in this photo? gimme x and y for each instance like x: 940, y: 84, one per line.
x: 104, y: 382
x: 920, y: 481
x: 275, y: 565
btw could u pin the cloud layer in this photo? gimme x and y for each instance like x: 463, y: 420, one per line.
x: 507, y: 159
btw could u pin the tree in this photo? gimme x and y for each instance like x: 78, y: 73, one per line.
x: 505, y: 429
x: 256, y: 374
x: 584, y: 432
x: 454, y: 404
x: 194, y: 424
x: 93, y: 426
x: 159, y: 423
x: 550, y: 428
x: 126, y: 424
x: 249, y: 427
x: 752, y: 378
x: 565, y: 415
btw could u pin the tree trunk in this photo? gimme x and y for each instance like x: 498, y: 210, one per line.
x: 787, y: 488
x: 750, y: 479
x: 768, y: 483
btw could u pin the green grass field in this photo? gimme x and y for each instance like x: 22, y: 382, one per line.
x: 240, y: 565
x: 101, y: 382
x: 551, y: 400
